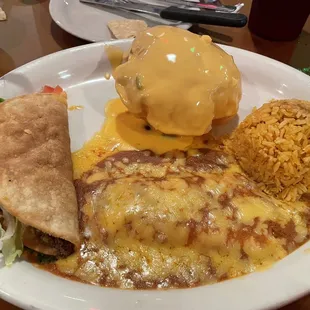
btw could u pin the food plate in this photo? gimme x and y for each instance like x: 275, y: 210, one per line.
x: 90, y: 23
x: 81, y: 72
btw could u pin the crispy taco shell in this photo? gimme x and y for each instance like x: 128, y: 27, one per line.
x: 36, y: 183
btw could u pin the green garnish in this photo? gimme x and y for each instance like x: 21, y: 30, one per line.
x: 1, y: 100
x: 306, y: 70
x: 11, y: 244
x: 139, y: 82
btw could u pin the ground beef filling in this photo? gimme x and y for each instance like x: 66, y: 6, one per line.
x: 64, y: 248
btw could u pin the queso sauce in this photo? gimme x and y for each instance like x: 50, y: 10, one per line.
x: 123, y: 131
x: 137, y: 232
x: 178, y: 81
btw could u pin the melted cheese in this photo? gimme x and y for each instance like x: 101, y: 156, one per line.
x: 115, y: 57
x: 141, y: 231
x: 178, y: 81
x: 123, y: 131
x: 75, y: 107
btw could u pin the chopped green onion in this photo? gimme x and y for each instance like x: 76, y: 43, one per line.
x: 139, y: 82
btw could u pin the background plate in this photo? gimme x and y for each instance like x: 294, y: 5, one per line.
x: 89, y: 22
x: 81, y: 72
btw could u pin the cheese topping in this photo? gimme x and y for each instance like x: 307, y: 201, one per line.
x: 178, y: 81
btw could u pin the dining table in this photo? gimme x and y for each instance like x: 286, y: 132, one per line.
x: 30, y: 33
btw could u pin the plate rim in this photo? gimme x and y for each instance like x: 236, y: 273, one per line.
x: 120, y: 41
x: 20, y: 303
x: 67, y: 51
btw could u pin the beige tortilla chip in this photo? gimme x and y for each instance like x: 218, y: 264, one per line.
x: 2, y: 15
x: 126, y: 28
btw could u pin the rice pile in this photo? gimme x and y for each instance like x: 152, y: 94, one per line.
x: 272, y: 146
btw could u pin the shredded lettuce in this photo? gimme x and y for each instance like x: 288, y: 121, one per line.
x: 11, y: 244
x: 1, y: 100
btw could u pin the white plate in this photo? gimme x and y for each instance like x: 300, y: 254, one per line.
x: 90, y: 22
x: 81, y: 72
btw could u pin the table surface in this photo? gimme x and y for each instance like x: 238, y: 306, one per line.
x: 30, y: 33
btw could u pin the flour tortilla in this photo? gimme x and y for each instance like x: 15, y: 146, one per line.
x: 126, y: 28
x: 36, y: 183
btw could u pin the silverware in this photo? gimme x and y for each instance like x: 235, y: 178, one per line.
x: 180, y: 13
x: 217, y: 5
x: 202, y: 4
